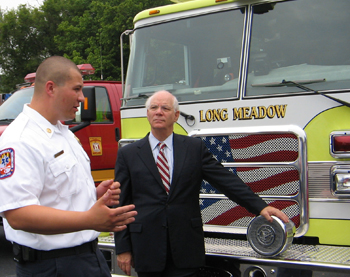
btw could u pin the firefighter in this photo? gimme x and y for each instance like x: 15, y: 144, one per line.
x: 51, y: 208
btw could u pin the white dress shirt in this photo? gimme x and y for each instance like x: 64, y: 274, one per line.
x: 49, y: 168
x: 168, y: 151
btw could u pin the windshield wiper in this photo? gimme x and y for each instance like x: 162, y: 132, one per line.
x: 283, y: 83
x: 188, y: 117
x: 286, y: 83
x: 139, y: 96
x: 7, y: 120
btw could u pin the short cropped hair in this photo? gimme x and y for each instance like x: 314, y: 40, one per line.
x: 55, y: 69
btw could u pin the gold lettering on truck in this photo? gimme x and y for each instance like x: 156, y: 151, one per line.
x: 212, y: 115
x: 244, y: 113
x: 260, y: 112
x: 281, y: 110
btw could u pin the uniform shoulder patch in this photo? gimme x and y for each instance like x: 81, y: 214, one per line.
x: 7, y: 162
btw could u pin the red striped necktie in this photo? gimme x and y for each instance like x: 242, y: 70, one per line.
x: 163, y: 167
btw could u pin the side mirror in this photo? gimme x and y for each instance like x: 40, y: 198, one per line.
x: 87, y: 109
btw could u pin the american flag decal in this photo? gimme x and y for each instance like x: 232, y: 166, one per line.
x: 271, y: 179
x: 224, y: 212
x: 253, y: 148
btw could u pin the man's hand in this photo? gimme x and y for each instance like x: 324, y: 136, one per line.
x: 114, y: 187
x: 268, y: 211
x: 105, y: 219
x: 49, y: 221
x: 125, y: 262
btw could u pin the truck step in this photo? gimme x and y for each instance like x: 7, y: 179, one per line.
x: 314, y: 255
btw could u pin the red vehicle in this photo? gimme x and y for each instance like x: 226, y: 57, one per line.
x: 100, y: 138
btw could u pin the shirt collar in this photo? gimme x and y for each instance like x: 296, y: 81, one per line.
x: 42, y: 122
x: 154, y: 142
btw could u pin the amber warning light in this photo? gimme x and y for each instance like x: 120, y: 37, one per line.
x: 86, y: 103
x: 153, y: 12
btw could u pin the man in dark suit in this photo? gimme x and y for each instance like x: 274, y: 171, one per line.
x: 167, y: 238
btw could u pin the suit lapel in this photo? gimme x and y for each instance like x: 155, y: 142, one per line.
x: 180, y: 152
x: 146, y: 155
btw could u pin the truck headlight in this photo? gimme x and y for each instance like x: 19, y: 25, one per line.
x: 341, y: 180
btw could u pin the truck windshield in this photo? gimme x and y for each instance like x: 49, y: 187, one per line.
x: 200, y: 57
x: 305, y: 41
x: 194, y: 58
x: 13, y: 106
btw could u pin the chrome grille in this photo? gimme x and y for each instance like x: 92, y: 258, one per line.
x: 271, y: 161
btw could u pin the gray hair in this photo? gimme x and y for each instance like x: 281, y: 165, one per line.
x: 175, y: 101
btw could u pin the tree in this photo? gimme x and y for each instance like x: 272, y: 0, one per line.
x: 93, y: 36
x: 20, y: 45
x: 85, y: 31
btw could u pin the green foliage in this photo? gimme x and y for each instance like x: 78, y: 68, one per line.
x: 86, y: 31
x: 19, y: 45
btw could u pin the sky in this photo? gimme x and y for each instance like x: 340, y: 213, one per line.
x: 13, y: 4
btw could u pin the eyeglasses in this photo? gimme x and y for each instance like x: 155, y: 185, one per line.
x: 163, y: 108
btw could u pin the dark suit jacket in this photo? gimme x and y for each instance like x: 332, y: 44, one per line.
x: 171, y: 220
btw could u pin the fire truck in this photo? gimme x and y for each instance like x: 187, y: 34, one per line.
x: 266, y: 85
x: 98, y: 138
